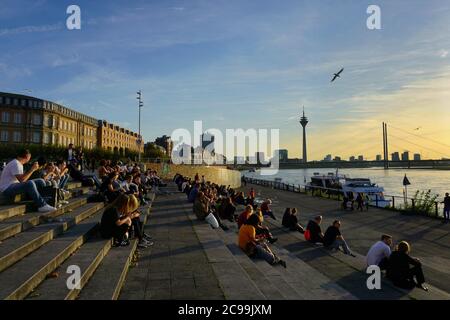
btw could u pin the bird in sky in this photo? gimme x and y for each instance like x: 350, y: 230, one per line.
x: 337, y: 75
x: 417, y: 129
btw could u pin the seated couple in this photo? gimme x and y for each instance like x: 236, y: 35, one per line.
x: 261, y: 230
x: 403, y: 270
x: 332, y: 239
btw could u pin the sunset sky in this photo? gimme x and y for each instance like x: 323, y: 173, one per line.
x: 243, y: 64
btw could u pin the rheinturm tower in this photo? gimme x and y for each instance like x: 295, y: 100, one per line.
x: 304, y: 122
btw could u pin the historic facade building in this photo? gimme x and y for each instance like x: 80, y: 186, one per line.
x: 29, y: 120
x: 117, y: 139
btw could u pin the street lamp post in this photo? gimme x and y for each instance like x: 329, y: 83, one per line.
x: 139, y: 141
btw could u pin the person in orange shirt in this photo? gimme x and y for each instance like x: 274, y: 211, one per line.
x: 254, y: 247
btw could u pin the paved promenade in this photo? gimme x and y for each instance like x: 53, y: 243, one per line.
x: 429, y: 238
x: 192, y: 261
x: 176, y: 267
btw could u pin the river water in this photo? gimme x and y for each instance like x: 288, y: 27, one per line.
x: 438, y: 181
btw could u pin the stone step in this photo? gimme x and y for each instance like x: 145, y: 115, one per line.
x: 110, y: 275
x: 19, y: 280
x: 358, y: 264
x: 20, y: 223
x: 315, y: 285
x: 278, y: 290
x: 87, y: 258
x: 73, y: 185
x: 22, y: 207
x: 107, y: 281
x: 232, y: 278
x: 8, y: 211
x: 298, y: 281
x: 14, y: 249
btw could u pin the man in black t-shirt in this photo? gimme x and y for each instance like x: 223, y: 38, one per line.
x: 333, y: 238
x: 315, y: 231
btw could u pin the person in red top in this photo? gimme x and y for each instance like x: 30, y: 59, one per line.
x: 244, y: 216
x: 265, y: 208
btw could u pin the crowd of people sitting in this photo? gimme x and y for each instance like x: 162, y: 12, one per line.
x: 254, y: 237
x: 44, y: 182
x: 219, y: 202
x: 123, y: 186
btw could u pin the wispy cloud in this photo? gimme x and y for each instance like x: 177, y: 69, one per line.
x: 31, y: 29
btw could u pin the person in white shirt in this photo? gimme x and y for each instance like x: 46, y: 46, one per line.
x: 13, y: 181
x: 71, y: 155
x: 380, y: 252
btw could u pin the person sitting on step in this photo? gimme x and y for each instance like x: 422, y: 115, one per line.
x: 262, y: 230
x: 14, y: 181
x: 290, y: 220
x: 266, y: 210
x: 240, y: 199
x: 256, y: 247
x: 202, y: 209
x: 137, y: 225
x: 244, y: 216
x: 116, y: 223
x: 333, y: 238
x: 380, y: 252
x: 314, y: 232
x: 405, y: 271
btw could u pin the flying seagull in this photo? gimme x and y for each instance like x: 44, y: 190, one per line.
x: 337, y: 75
x: 416, y: 129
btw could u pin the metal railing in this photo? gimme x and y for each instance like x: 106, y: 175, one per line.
x: 397, y: 203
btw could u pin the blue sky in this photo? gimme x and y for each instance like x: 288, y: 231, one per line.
x: 242, y: 64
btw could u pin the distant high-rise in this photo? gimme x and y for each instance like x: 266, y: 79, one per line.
x: 405, y: 156
x: 395, y: 156
x: 417, y: 157
x: 327, y: 157
x: 282, y: 155
x: 206, y: 140
x: 260, y: 157
x: 304, y: 122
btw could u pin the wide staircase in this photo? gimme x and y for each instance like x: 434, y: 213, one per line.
x: 41, y: 252
x: 189, y: 259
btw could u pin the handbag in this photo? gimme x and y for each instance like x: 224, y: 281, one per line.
x: 307, y: 235
x: 50, y: 195
x: 212, y: 221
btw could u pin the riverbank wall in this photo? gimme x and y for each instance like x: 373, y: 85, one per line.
x: 217, y: 174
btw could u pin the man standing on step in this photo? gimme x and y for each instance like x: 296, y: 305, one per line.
x: 446, y: 203
x: 13, y: 181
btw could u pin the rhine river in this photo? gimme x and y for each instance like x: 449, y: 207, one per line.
x: 391, y: 180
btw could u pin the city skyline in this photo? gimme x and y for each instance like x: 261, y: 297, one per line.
x: 243, y: 65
